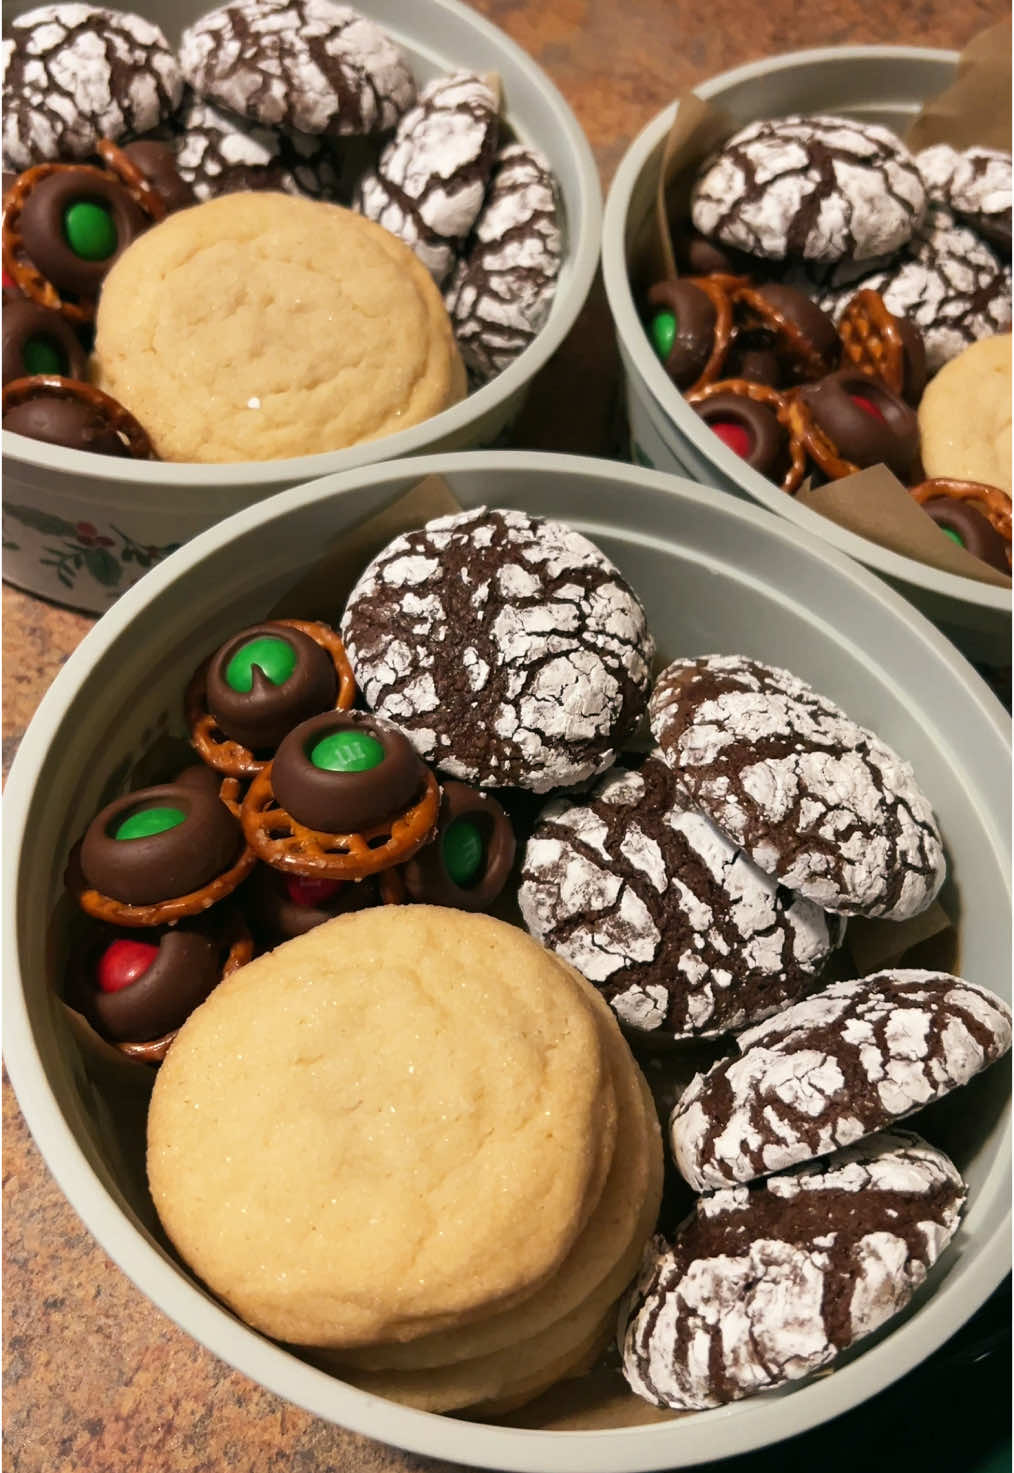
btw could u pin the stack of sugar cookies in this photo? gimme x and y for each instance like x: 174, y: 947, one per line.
x: 413, y: 1144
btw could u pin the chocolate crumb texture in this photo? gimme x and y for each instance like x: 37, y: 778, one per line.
x: 816, y: 800
x: 430, y: 180
x: 75, y: 73
x: 674, y: 925
x: 508, y: 647
x: 832, y: 1069
x: 766, y: 1284
x: 502, y: 289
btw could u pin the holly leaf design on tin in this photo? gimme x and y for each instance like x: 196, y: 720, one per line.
x: 40, y: 521
x: 103, y: 567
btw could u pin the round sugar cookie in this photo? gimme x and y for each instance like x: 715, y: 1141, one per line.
x: 622, y: 1220
x: 259, y: 325
x: 965, y: 416
x: 541, y: 1358
x: 395, y: 1123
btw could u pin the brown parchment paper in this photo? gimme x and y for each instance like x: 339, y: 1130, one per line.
x: 875, y: 504
x: 599, y: 1399
x: 976, y: 108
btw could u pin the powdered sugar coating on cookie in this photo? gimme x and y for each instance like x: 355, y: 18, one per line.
x: 948, y: 281
x: 821, y: 187
x: 766, y: 1284
x: 76, y: 73
x: 814, y: 799
x: 975, y: 183
x: 833, y: 1068
x: 307, y: 65
x: 508, y: 648
x: 654, y: 905
x: 430, y: 180
x: 218, y: 152
x: 501, y: 292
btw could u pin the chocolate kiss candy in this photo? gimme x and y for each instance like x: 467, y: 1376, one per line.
x: 866, y: 422
x: 469, y: 860
x: 161, y: 842
x: 38, y: 340
x: 267, y: 679
x: 969, y: 529
x: 750, y: 429
x: 682, y: 329
x: 345, y: 771
x: 180, y: 968
x: 74, y: 224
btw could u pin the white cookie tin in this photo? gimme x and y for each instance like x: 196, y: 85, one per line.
x: 81, y: 528
x: 715, y: 574
x: 881, y: 84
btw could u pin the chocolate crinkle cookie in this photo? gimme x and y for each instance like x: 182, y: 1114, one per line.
x: 76, y: 73
x: 503, y: 287
x: 820, y: 188
x: 975, y: 183
x: 429, y: 183
x: 836, y: 1067
x: 308, y: 66
x: 766, y: 1284
x: 218, y: 152
x: 508, y: 648
x: 948, y: 281
x: 672, y: 923
x: 815, y: 799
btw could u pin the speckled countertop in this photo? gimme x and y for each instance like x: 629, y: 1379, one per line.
x: 95, y: 1377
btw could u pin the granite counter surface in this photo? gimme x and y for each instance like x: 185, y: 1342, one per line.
x: 96, y: 1379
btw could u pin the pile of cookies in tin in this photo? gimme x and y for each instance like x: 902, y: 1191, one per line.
x: 273, y: 242
x: 412, y: 1141
x: 845, y: 303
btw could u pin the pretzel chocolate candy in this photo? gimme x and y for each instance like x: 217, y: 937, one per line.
x: 860, y: 423
x: 886, y: 347
x: 65, y: 411
x: 469, y: 861
x: 160, y: 853
x: 37, y: 340
x: 805, y: 336
x: 755, y: 421
x: 682, y: 329
x: 261, y: 683
x: 282, y: 842
x: 976, y: 515
x: 64, y: 227
x: 136, y: 990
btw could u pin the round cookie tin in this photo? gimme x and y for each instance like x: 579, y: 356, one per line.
x: 81, y: 528
x: 747, y: 582
x: 876, y: 84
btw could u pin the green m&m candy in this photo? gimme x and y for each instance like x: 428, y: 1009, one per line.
x: 663, y: 333
x: 463, y: 851
x: 275, y: 657
x: 89, y: 230
x: 954, y: 536
x: 347, y: 751
x: 148, y: 821
x: 43, y: 355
